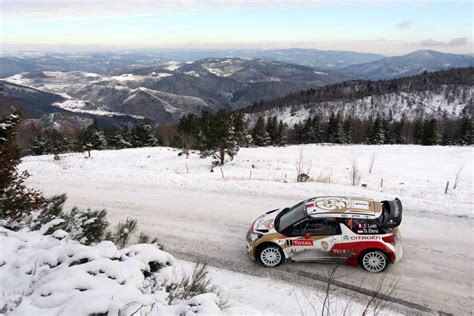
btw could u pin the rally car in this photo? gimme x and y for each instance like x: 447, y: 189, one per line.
x: 356, y: 231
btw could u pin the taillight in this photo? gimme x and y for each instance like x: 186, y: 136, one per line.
x: 390, y: 239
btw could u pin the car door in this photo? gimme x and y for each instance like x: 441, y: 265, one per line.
x: 312, y: 239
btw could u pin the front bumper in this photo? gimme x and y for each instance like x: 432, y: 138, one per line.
x: 250, y: 248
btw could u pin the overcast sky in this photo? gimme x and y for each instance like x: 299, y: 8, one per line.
x: 387, y: 27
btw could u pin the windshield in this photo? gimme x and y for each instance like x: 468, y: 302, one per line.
x: 293, y: 215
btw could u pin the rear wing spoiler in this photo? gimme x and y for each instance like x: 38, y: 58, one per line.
x: 392, y: 213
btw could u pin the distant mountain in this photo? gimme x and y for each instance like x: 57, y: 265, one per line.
x: 47, y: 109
x: 447, y: 93
x: 108, y: 62
x: 163, y: 93
x: 233, y: 82
x: 98, y: 62
x: 408, y: 65
x: 321, y: 59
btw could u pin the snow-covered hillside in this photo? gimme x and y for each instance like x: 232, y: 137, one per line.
x: 199, y: 215
x: 447, y: 101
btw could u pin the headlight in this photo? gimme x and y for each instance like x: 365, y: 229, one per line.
x: 254, y: 236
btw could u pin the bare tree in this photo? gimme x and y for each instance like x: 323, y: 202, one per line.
x: 458, y: 176
x: 327, y: 297
x: 378, y: 301
x: 371, y: 162
x: 303, y: 167
x: 354, y: 173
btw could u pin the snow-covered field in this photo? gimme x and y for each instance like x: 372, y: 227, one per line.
x: 199, y: 215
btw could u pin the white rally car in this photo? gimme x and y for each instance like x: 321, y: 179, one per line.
x: 356, y: 231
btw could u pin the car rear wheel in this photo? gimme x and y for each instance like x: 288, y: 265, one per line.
x: 271, y: 256
x: 374, y: 261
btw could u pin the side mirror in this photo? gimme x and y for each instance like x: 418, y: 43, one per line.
x: 307, y: 235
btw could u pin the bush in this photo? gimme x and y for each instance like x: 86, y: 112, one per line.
x: 122, y: 232
x: 190, y: 286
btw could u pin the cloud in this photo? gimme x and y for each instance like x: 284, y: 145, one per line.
x: 458, y: 41
x: 405, y: 24
x: 98, y: 8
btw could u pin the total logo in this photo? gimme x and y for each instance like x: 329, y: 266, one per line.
x: 300, y: 242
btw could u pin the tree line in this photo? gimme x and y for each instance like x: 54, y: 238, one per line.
x: 359, y: 89
x: 220, y: 135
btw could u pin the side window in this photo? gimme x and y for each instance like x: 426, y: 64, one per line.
x: 296, y: 230
x: 323, y: 226
x: 363, y: 226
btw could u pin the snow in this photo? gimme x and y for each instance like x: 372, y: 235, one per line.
x: 55, y: 276
x: 173, y: 65
x: 413, y: 105
x: 79, y: 106
x: 204, y: 216
x: 49, y: 275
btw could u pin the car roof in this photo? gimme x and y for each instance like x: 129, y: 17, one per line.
x: 343, y: 206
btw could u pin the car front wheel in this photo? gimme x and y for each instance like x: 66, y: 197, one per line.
x: 271, y: 256
x: 374, y: 261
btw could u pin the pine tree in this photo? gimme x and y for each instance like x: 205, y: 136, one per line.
x: 418, y: 131
x: 92, y: 138
x: 331, y: 128
x: 58, y: 142
x: 144, y: 136
x: 430, y: 136
x: 347, y: 127
x: 117, y: 138
x: 465, y: 133
x: 387, y: 135
x: 318, y: 131
x: 281, y: 136
x: 220, y: 135
x: 377, y: 133
x: 368, y: 130
x: 40, y: 145
x: 16, y: 200
x: 272, y: 129
x: 338, y: 137
x: 259, y: 133
x: 307, y: 134
x: 188, y: 128
x: 398, y: 127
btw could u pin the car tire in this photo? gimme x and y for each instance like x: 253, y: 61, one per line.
x: 374, y: 261
x: 271, y: 256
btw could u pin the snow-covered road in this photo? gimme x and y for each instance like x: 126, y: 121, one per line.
x: 199, y: 215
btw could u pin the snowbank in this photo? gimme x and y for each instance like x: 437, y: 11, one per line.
x: 53, y: 275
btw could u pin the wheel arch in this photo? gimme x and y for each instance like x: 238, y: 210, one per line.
x: 381, y: 249
x: 263, y: 245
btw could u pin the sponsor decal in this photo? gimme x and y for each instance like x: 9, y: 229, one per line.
x: 345, y: 237
x: 324, y: 245
x: 339, y: 252
x: 365, y: 237
x: 396, y: 211
x: 368, y: 229
x: 311, y: 204
x: 268, y: 224
x: 331, y: 204
x: 363, y: 205
x: 300, y: 242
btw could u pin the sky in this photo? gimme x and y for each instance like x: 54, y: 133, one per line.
x: 388, y: 27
